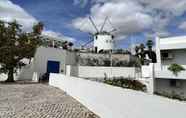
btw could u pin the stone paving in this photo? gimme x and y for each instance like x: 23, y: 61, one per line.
x: 39, y: 101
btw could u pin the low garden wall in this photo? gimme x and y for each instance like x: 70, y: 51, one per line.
x: 101, y: 72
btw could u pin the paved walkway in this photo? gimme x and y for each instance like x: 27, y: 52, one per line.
x: 39, y: 101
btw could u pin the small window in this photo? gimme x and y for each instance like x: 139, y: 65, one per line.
x: 175, y: 83
x: 166, y: 55
x: 96, y: 37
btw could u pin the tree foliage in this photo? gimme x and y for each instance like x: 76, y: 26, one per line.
x: 141, y: 53
x: 176, y: 68
x: 15, y: 44
x: 149, y: 43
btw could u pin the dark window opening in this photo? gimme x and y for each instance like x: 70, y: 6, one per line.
x: 165, y: 55
x: 173, y: 83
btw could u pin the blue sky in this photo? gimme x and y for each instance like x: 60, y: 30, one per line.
x: 133, y: 19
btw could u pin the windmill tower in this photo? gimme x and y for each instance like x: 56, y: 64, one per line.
x: 102, y: 39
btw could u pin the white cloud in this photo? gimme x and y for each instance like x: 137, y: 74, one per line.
x: 175, y: 7
x: 131, y: 16
x: 57, y: 35
x: 183, y: 26
x: 10, y: 11
x: 127, y: 17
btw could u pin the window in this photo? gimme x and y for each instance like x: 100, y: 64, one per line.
x: 175, y: 83
x: 166, y: 55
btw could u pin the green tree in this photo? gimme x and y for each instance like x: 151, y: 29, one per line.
x: 142, y: 53
x: 16, y: 45
x: 175, y: 68
x: 151, y: 54
x: 149, y: 44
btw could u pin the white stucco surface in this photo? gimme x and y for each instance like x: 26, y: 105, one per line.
x: 176, y: 48
x: 101, y: 72
x: 173, y: 43
x: 43, y: 55
x: 3, y: 77
x: 166, y: 74
x: 104, y: 41
x: 114, y: 102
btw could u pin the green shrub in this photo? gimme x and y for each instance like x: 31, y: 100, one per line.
x: 126, y: 83
x: 175, y: 68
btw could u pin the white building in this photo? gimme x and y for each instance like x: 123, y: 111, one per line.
x: 48, y: 60
x: 170, y: 50
x: 104, y: 41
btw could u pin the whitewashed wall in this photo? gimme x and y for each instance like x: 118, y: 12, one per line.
x: 100, y: 72
x: 166, y: 74
x: 44, y: 54
x: 3, y: 77
x: 26, y: 72
x: 114, y: 102
x: 148, y: 77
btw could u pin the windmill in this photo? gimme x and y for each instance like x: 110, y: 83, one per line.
x: 102, y: 39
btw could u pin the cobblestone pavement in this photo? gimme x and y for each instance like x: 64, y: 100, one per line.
x: 39, y: 101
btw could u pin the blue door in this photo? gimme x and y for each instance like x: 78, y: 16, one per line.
x: 53, y: 66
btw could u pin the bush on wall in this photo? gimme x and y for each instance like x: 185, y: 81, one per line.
x: 126, y: 83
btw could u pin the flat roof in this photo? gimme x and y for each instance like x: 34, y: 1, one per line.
x: 170, y: 43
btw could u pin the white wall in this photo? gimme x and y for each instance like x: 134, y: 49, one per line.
x: 103, y: 41
x: 99, y: 72
x: 3, y: 77
x: 44, y: 54
x: 159, y: 81
x: 174, y: 45
x: 178, y: 42
x: 114, y: 102
x: 26, y: 72
x: 148, y: 77
x: 166, y: 74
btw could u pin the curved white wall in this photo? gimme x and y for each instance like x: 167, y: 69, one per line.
x: 103, y: 41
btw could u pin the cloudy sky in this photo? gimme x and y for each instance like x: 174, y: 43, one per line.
x: 135, y: 20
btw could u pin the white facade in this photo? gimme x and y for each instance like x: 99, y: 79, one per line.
x: 170, y: 50
x: 103, y: 42
x: 43, y: 55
